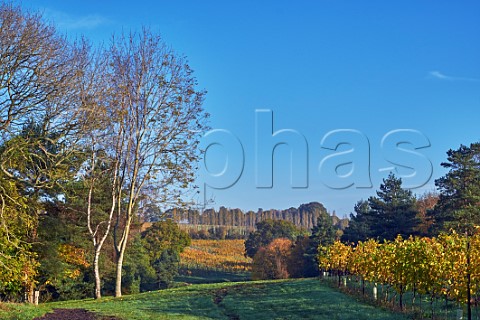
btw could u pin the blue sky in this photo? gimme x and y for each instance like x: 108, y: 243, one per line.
x: 368, y: 66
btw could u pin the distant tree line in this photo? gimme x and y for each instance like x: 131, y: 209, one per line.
x: 306, y: 216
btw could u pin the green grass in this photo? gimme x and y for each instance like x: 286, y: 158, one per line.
x: 198, y: 276
x: 422, y: 303
x: 291, y: 299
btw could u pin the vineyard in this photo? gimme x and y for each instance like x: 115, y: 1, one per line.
x: 440, y: 271
x: 216, y: 255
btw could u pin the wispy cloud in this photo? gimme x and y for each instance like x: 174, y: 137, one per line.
x: 67, y: 21
x: 440, y: 76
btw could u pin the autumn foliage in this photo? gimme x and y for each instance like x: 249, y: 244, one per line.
x: 219, y: 255
x: 446, y: 267
x: 271, y: 261
x: 75, y: 258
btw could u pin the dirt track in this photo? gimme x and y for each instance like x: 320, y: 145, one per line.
x: 73, y: 314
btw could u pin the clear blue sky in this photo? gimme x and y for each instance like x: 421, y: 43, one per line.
x: 370, y: 66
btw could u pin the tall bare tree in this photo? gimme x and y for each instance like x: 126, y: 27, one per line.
x: 100, y: 168
x: 39, y: 70
x: 158, y: 124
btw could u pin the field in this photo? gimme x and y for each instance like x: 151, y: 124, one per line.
x: 209, y: 261
x: 286, y: 299
x: 222, y: 255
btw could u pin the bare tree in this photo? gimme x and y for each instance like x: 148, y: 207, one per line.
x: 101, y: 164
x: 159, y: 122
x: 99, y: 224
x: 39, y: 70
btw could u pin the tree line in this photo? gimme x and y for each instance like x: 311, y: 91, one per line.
x: 305, y: 216
x: 88, y: 136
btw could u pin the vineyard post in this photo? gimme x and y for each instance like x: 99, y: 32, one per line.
x: 469, y: 280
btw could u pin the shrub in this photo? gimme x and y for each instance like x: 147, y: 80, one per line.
x: 270, y: 262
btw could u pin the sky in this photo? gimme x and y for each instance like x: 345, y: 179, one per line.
x: 347, y: 91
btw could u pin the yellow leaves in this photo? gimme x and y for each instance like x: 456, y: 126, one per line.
x: 76, y: 259
x: 72, y: 274
x: 225, y: 255
x: 335, y: 257
x: 432, y: 265
x: 73, y: 255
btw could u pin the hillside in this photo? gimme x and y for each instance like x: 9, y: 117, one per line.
x: 292, y: 299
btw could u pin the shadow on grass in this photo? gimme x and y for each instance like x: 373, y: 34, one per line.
x: 197, y: 276
x: 301, y: 299
x: 288, y: 299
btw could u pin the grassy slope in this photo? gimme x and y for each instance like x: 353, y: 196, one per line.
x: 201, y: 276
x: 293, y: 299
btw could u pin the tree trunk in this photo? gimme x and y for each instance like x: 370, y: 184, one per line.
x: 98, y: 284
x: 29, y: 295
x: 128, y: 222
x: 118, y: 278
x: 120, y: 255
x: 401, y: 298
x: 94, y: 231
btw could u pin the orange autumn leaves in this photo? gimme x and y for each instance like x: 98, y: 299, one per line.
x: 271, y: 261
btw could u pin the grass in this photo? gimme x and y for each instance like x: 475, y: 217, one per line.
x: 288, y: 299
x: 439, y: 307
x: 199, y: 276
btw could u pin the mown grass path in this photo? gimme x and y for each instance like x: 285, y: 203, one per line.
x: 291, y: 299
